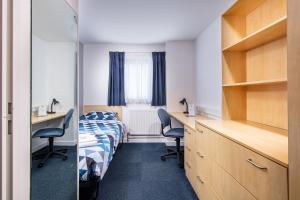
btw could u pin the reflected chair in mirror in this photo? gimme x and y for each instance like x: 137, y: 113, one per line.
x: 52, y: 133
x: 176, y: 133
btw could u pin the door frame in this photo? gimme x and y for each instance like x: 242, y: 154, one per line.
x: 21, y: 89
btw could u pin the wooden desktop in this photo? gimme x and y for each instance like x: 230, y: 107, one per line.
x: 36, y: 120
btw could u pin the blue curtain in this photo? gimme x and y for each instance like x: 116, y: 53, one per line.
x: 116, y: 96
x: 159, y: 79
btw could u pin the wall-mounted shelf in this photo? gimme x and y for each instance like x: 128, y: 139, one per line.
x: 264, y: 35
x: 250, y: 83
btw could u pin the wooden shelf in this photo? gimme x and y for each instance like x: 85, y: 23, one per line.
x: 267, y: 34
x: 266, y: 82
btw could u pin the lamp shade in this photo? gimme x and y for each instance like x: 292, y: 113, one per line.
x: 182, y: 101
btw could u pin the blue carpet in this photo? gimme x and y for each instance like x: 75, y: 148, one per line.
x: 57, y: 180
x: 137, y: 173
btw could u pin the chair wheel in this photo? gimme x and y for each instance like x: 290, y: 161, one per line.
x: 65, y: 157
x: 163, y: 158
x: 40, y: 165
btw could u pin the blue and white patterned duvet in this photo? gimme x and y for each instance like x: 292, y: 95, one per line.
x: 99, y: 136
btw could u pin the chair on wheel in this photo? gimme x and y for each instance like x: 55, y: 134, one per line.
x: 52, y: 133
x: 176, y: 133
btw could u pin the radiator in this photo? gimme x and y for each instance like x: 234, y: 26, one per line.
x: 143, y: 121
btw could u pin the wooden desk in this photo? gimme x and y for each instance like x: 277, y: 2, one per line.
x: 37, y: 120
x: 187, y: 121
x: 249, y: 159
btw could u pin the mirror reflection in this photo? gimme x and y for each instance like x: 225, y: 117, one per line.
x: 54, y: 113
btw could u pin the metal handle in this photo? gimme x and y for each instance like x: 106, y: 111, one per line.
x: 200, y: 180
x: 200, y: 130
x: 200, y: 155
x: 256, y: 165
x: 189, y: 166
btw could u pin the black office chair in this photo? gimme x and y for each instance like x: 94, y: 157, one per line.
x: 52, y: 133
x: 176, y: 133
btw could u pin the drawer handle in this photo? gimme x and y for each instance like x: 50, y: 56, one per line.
x: 187, y: 132
x: 200, y: 130
x: 200, y: 180
x: 256, y: 165
x: 188, y: 149
x: 187, y: 164
x: 200, y: 155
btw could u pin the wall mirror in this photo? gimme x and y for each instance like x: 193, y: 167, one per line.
x: 54, y: 101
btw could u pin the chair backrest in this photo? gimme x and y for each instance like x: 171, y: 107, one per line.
x: 165, y: 118
x: 67, y: 118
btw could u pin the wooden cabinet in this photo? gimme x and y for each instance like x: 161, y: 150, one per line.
x: 231, y: 171
x: 262, y: 177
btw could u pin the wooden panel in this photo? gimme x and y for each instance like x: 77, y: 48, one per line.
x: 268, y: 12
x: 243, y: 7
x: 294, y: 97
x: 91, y: 108
x: 234, y: 67
x: 268, y: 105
x: 268, y: 61
x: 226, y: 186
x: 233, y: 30
x: 262, y: 36
x: 234, y: 103
x: 262, y: 177
x: 267, y: 141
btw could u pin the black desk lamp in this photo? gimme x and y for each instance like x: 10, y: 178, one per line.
x: 54, y: 102
x: 183, y: 101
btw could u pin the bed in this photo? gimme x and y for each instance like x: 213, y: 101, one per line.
x: 100, y: 133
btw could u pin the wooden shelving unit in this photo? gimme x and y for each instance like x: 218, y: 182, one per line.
x: 254, y: 40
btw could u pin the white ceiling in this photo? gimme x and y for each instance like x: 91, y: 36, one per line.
x: 146, y: 21
x: 53, y: 21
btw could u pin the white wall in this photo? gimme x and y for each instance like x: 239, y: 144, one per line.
x: 39, y: 66
x: 53, y: 76
x: 96, y: 68
x: 209, y: 69
x: 180, y: 64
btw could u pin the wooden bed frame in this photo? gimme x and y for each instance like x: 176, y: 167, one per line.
x: 91, y: 108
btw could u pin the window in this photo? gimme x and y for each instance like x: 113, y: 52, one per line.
x: 138, y: 78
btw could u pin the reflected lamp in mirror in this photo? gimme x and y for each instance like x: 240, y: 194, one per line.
x: 183, y: 101
x: 54, y: 102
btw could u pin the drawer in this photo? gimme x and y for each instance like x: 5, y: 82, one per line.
x: 189, y: 137
x: 188, y: 154
x: 204, y: 190
x: 190, y: 173
x: 262, y: 177
x: 204, y: 140
x: 203, y: 166
x: 226, y: 186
